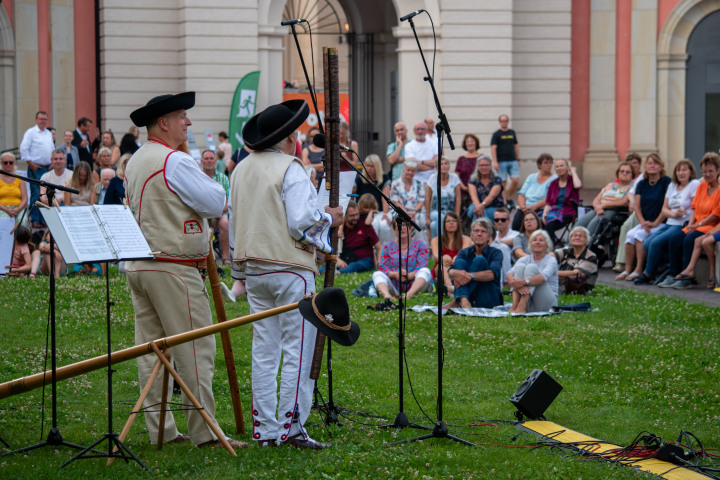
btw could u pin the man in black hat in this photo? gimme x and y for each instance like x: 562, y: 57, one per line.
x: 277, y: 227
x: 172, y: 199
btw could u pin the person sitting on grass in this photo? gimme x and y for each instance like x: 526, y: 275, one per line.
x: 41, y: 258
x: 415, y: 274
x: 475, y: 274
x: 361, y: 245
x: 534, y: 278
x: 370, y: 214
x: 21, y: 263
x: 453, y: 241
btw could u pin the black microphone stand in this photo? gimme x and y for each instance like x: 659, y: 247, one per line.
x: 54, y: 438
x: 440, y: 429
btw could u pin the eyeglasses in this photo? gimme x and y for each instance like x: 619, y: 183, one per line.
x: 626, y: 171
x: 502, y: 220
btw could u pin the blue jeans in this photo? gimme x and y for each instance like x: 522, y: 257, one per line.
x: 657, y: 247
x: 361, y: 265
x: 434, y: 222
x: 480, y: 294
x: 489, y: 212
x: 681, y: 248
x: 35, y: 216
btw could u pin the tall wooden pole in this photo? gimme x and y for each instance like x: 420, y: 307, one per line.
x: 332, y: 176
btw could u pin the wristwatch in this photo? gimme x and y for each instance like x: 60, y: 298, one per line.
x: 527, y: 281
x: 472, y: 275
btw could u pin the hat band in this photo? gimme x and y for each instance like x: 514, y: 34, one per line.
x: 323, y: 318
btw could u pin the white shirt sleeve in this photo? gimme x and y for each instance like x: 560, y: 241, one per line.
x: 305, y: 222
x: 25, y: 145
x: 195, y: 189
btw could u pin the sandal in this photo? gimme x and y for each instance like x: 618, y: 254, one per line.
x: 32, y: 275
x: 622, y: 276
x: 712, y: 283
x: 632, y: 276
x: 682, y: 276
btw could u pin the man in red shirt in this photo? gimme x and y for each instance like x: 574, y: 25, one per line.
x: 359, y: 241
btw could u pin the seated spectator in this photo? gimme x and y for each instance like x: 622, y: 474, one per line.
x: 361, y: 246
x: 449, y: 193
x: 577, y: 265
x: 534, y: 190
x: 58, y: 175
x: 704, y: 217
x: 415, y: 273
x: 505, y: 234
x: 13, y: 192
x: 485, y: 190
x: 476, y: 270
x: 312, y: 155
x: 635, y: 162
x: 380, y: 222
x: 521, y: 242
x: 41, y: 258
x: 81, y: 180
x: 534, y: 278
x: 128, y: 144
x: 408, y: 193
x: 612, y: 198
x: 453, y: 241
x: 562, y: 198
x: 221, y: 224
x: 676, y: 208
x: 465, y: 166
x: 344, y: 139
x: 21, y: 263
x: 103, y: 161
x: 108, y: 141
x: 101, y: 188
x: 374, y: 172
x: 649, y: 199
x: 116, y: 187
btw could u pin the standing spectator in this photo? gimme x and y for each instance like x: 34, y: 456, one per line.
x: 506, y: 156
x: 222, y: 224
x: 108, y: 141
x: 101, y: 188
x: 476, y: 271
x: 424, y: 153
x: 562, y: 198
x: 71, y: 151
x: 449, y: 193
x: 485, y: 190
x: 313, y: 156
x: 465, y: 167
x: 135, y: 132
x: 36, y: 150
x: 128, y: 144
x: 431, y: 136
x: 676, y: 208
x: 59, y: 175
x: 361, y: 245
x: 395, y: 153
x: 344, y: 139
x: 225, y: 147
x: 408, y: 193
x: 649, y: 200
x: 534, y: 190
x: 13, y: 193
x: 81, y: 140
x: 534, y: 278
x: 81, y: 180
x: 414, y: 277
x: 116, y: 185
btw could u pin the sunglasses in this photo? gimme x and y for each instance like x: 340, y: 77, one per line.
x: 9, y: 163
x: 502, y: 220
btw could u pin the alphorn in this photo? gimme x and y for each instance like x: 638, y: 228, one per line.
x: 37, y: 380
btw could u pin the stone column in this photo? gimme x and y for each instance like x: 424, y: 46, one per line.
x: 671, y: 71
x: 62, y: 59
x: 601, y: 152
x: 270, y: 58
x: 643, y: 100
x: 26, y: 63
x: 8, y: 125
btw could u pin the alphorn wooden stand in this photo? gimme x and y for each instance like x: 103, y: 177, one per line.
x: 164, y: 361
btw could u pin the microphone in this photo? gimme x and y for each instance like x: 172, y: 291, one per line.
x: 287, y: 23
x: 411, y: 15
x: 319, y: 141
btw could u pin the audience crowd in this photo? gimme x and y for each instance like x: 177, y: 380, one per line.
x: 533, y: 238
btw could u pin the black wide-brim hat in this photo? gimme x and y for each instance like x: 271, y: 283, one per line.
x: 162, y: 105
x: 329, y: 312
x: 274, y: 123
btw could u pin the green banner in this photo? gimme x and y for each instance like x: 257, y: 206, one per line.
x: 243, y: 107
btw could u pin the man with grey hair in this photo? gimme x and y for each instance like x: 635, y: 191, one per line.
x: 424, y: 152
x: 106, y: 174
x: 395, y: 153
x: 476, y: 270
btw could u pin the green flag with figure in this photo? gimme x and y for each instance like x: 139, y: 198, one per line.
x: 243, y: 107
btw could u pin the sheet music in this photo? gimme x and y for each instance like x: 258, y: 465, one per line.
x: 85, y: 235
x: 123, y: 231
x: 6, y: 242
x: 347, y: 180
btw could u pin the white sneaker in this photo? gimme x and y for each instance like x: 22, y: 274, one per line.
x: 226, y: 293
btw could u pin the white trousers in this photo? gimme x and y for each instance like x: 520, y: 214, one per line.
x: 379, y: 277
x: 288, y: 336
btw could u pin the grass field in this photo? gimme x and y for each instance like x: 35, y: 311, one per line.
x: 641, y: 362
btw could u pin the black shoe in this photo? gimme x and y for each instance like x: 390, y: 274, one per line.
x: 642, y: 280
x: 299, y: 441
x: 384, y: 306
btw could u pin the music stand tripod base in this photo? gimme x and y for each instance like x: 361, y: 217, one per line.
x: 440, y: 430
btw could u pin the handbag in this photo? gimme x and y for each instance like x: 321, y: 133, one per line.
x: 577, y: 284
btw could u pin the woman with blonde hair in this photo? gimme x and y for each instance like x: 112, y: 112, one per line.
x: 104, y: 160
x: 81, y: 180
x: 108, y: 141
x: 374, y: 173
x: 13, y: 191
x: 116, y: 189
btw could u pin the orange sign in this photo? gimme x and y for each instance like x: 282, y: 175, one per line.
x: 312, y: 120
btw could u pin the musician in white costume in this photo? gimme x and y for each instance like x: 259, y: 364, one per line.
x: 277, y: 227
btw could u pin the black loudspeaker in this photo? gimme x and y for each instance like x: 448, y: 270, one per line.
x: 536, y: 394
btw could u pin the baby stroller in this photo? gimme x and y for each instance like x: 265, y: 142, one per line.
x: 605, y: 241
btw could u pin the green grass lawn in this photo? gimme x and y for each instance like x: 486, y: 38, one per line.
x: 642, y: 362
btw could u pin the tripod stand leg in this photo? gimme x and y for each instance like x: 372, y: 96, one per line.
x: 163, y: 407
x: 216, y: 430
x: 137, y: 407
